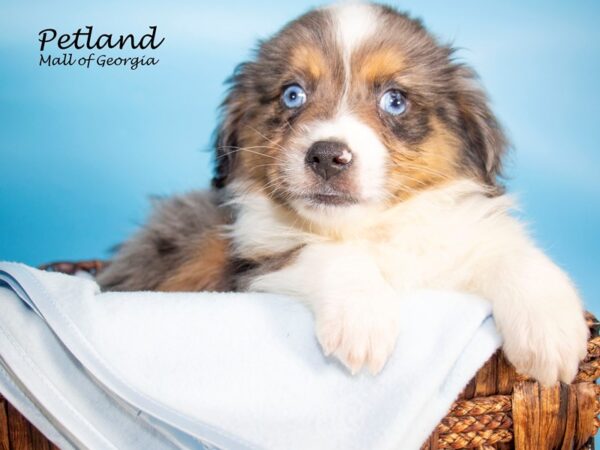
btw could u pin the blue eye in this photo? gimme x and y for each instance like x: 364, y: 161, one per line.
x: 293, y: 97
x: 393, y: 102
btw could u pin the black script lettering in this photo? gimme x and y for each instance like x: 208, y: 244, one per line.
x: 44, y: 37
x: 151, y: 36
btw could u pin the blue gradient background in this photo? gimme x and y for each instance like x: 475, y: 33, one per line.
x: 81, y: 150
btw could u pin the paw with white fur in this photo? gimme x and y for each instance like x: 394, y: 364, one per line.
x: 547, y: 346
x: 359, y: 332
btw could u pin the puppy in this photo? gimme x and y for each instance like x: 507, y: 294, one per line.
x: 357, y: 161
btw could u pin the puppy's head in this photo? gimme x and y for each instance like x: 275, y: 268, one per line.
x: 354, y: 106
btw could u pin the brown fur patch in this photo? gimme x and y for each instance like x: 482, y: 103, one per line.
x: 207, y: 270
x: 309, y: 60
x: 433, y: 162
x: 381, y: 65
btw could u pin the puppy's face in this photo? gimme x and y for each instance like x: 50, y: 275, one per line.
x: 354, y: 106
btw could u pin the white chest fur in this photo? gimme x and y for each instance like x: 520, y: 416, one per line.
x: 429, y: 241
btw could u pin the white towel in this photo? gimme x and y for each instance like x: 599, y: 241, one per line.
x: 231, y: 371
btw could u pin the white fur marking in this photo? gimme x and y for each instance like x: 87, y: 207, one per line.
x: 259, y: 229
x: 345, y: 157
x: 355, y: 23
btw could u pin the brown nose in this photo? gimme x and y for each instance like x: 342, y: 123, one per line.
x: 328, y: 158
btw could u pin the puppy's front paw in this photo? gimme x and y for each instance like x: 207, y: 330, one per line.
x: 547, y: 347
x: 359, y: 333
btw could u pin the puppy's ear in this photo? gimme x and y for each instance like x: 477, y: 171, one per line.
x: 226, y: 141
x: 484, y: 141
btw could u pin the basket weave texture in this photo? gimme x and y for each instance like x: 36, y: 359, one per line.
x: 498, y: 409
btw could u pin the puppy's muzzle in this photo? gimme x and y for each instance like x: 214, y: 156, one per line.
x: 328, y: 158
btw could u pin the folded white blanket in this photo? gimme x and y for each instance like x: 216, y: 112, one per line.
x: 232, y: 371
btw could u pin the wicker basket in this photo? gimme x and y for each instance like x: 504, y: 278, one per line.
x: 499, y: 409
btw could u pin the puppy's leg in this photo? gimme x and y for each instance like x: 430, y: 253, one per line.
x: 356, y: 310
x: 180, y: 249
x: 205, y: 269
x: 536, y: 308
